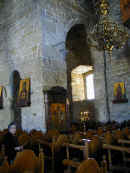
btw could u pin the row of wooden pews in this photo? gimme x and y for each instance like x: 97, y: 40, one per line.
x: 25, y: 162
x: 63, y: 151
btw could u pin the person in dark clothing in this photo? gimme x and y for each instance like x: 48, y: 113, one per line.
x: 74, y: 127
x: 10, y: 143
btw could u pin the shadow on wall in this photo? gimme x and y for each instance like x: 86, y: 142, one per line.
x: 14, y: 82
x: 77, y: 44
x: 126, y: 53
x: 127, y: 50
x: 123, y: 53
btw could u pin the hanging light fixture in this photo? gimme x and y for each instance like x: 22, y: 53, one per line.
x: 108, y: 34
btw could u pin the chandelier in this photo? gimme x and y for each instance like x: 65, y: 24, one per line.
x: 108, y: 34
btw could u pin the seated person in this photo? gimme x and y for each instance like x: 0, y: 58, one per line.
x: 10, y: 143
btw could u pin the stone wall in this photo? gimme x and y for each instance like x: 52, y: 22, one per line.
x: 77, y: 87
x: 33, y: 37
x: 24, y: 53
x: 33, y: 42
x: 118, y: 70
x: 5, y: 70
x: 99, y: 84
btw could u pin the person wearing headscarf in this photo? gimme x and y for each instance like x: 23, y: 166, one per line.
x: 10, y: 142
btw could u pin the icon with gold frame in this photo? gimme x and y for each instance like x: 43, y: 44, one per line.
x: 119, y: 93
x: 23, y: 98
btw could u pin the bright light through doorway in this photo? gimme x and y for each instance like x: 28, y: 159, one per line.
x: 90, y: 86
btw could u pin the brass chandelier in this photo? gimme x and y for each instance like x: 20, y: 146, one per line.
x: 108, y: 34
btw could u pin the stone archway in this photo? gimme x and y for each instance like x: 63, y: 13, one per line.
x: 78, y: 54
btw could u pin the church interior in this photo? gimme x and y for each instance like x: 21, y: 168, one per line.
x: 64, y: 86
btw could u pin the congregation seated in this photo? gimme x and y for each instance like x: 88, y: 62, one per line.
x: 53, y: 141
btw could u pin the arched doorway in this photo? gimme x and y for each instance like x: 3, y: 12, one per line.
x: 79, y: 63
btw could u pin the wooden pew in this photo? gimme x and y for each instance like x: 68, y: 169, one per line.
x: 27, y: 161
x: 89, y: 166
x: 116, y: 148
x: 71, y: 163
x: 123, y: 142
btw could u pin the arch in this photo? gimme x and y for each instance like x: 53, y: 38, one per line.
x: 78, y: 55
x: 76, y: 33
x: 75, y: 42
x: 72, y: 23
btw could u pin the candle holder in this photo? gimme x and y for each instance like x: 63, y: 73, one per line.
x: 84, y: 117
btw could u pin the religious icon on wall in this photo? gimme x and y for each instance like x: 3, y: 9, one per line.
x: 125, y: 11
x: 1, y: 96
x: 23, y: 98
x: 57, y: 111
x: 120, y: 93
